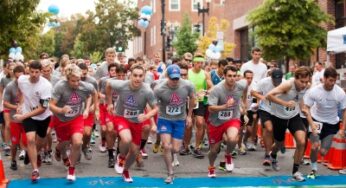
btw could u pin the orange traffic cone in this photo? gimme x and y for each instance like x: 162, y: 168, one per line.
x: 289, y: 141
x: 3, y: 180
x: 337, y: 160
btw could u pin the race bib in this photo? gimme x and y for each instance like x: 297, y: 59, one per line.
x: 225, y: 115
x: 74, y: 111
x: 173, y: 110
x: 318, y: 128
x: 130, y: 113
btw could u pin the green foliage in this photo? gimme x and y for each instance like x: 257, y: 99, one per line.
x: 289, y: 28
x: 19, y: 21
x: 185, y: 38
x: 46, y: 43
x: 96, y: 57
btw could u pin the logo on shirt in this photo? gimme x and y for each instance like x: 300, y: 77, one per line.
x: 175, y: 99
x: 131, y: 100
x: 74, y: 98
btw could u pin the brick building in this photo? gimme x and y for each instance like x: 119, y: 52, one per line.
x: 233, y: 10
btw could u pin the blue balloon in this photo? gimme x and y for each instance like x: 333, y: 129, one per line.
x: 147, y: 10
x: 53, y: 9
x: 12, y: 50
x: 19, y: 50
x: 143, y: 23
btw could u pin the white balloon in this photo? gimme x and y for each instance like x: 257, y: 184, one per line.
x: 145, y: 16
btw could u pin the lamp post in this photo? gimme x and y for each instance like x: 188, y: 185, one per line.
x: 202, y: 10
x: 163, y: 30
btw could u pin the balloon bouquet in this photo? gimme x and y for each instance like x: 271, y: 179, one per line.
x: 54, y: 10
x: 214, y: 50
x: 15, y: 52
x: 145, y: 16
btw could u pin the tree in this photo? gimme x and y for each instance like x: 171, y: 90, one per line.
x: 289, y: 28
x: 19, y: 21
x: 46, y: 43
x: 213, y: 27
x: 186, y: 38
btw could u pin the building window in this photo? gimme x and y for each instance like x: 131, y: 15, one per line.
x: 244, y: 44
x: 174, y: 5
x: 194, y: 5
x: 340, y: 21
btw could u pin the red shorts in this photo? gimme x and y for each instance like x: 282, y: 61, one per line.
x: 135, y: 128
x: 89, y: 121
x: 17, y: 133
x: 65, y: 130
x: 6, y: 110
x: 216, y: 133
x: 104, y: 115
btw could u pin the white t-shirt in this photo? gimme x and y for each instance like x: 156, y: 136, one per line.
x: 263, y: 87
x: 259, y: 70
x: 324, y: 104
x: 33, y: 93
x: 317, y: 77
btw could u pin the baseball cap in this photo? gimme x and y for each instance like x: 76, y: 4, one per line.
x: 277, y: 75
x: 173, y: 71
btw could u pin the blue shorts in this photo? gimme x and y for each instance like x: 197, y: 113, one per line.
x: 175, y: 128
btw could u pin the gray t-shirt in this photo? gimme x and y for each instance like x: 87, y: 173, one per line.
x: 131, y: 102
x: 172, y: 101
x: 75, y: 98
x: 102, y: 70
x: 11, y: 95
x: 219, y: 95
x: 102, y: 89
x: 91, y: 81
x: 54, y: 79
x: 4, y: 81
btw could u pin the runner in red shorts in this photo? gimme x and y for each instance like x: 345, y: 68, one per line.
x: 133, y: 98
x: 67, y: 106
x: 224, y: 106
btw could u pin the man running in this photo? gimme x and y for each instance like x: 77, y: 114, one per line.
x: 322, y: 103
x: 288, y: 98
x: 71, y: 98
x: 172, y: 95
x: 129, y: 110
x: 36, y: 92
x: 224, y: 106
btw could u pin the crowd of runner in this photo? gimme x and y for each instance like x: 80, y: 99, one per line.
x: 225, y: 101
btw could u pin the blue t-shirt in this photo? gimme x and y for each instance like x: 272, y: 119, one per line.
x: 215, y: 78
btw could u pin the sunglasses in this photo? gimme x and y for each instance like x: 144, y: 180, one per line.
x: 188, y: 60
x: 175, y: 79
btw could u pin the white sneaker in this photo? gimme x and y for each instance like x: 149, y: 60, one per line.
x: 21, y: 155
x: 102, y: 149
x: 126, y: 177
x: 343, y: 171
x: 71, y: 175
x: 229, y: 163
x: 298, y: 176
x: 119, y: 165
x: 54, y: 138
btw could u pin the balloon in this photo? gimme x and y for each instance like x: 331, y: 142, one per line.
x: 53, y: 9
x: 12, y: 50
x: 143, y: 23
x: 147, y: 10
x: 145, y: 16
x: 19, y: 50
x: 212, y: 55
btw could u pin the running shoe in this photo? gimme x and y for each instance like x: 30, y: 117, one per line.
x: 169, y: 179
x: 7, y: 150
x: 298, y: 176
x: 312, y: 175
x: 21, y: 155
x: 87, y: 153
x: 111, y: 163
x: 14, y: 165
x: 156, y: 148
x: 126, y: 176
x: 275, y: 165
x: 343, y: 171
x: 197, y: 153
x: 144, y: 153
x: 242, y: 150
x: 102, y: 148
x: 119, y: 165
x: 175, y: 160
x: 222, y: 166
x: 229, y: 163
x: 184, y: 151
x: 139, y: 161
x: 71, y: 175
x: 48, y: 158
x: 266, y: 161
x: 211, y: 172
x: 35, y: 176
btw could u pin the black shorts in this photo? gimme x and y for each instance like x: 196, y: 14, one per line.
x: 201, y: 110
x: 250, y: 115
x: 38, y: 126
x: 280, y: 125
x: 2, y: 120
x: 264, y: 116
x: 327, y: 129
